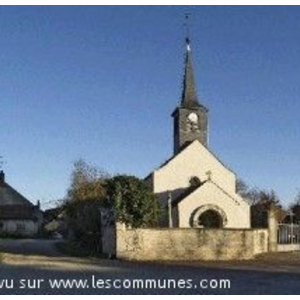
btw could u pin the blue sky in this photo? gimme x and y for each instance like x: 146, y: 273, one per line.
x: 100, y: 83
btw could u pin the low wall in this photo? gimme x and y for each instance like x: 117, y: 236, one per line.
x: 190, y: 244
x: 288, y: 247
x: 260, y: 240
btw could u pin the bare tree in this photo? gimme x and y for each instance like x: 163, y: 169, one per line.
x: 260, y: 201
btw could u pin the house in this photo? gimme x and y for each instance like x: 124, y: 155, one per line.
x: 18, y: 216
x: 195, y: 188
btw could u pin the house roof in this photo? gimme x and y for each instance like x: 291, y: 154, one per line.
x: 18, y: 212
x: 13, y: 205
x: 9, y: 196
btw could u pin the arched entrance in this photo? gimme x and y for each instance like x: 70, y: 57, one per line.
x: 208, y: 216
x: 210, y: 219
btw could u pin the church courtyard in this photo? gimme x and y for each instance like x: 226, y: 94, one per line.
x: 33, y: 260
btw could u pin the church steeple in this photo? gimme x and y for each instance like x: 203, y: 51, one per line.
x: 190, y: 117
x: 189, y: 98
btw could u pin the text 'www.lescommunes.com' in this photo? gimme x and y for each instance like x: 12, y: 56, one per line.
x: 99, y: 283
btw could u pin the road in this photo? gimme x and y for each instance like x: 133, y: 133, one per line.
x: 31, y: 266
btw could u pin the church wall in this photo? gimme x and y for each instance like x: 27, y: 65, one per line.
x: 195, y: 160
x: 237, y: 211
x: 26, y: 228
x: 190, y: 244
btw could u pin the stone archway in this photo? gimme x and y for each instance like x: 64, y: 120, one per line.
x: 208, y: 216
x: 210, y: 219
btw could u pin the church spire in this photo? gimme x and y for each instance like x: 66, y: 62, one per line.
x: 190, y: 117
x: 189, y: 98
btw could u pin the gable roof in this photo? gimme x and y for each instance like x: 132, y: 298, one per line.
x: 9, y: 196
x: 13, y: 205
x: 186, y: 193
x: 190, y: 190
x: 183, y: 149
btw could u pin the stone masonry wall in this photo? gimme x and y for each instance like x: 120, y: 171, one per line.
x: 190, y: 244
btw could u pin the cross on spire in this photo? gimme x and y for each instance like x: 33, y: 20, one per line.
x: 187, y: 27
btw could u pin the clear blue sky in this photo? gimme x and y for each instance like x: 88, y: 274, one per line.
x: 100, y: 83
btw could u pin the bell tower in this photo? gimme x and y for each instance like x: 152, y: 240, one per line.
x: 190, y: 117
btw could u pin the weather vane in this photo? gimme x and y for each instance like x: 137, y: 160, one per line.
x: 187, y: 26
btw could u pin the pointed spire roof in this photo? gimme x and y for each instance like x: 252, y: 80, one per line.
x: 189, y: 98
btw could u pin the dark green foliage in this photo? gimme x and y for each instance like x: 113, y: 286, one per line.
x: 134, y: 203
x: 84, y: 219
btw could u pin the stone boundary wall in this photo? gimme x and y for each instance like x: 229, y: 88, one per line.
x: 190, y: 243
x: 261, y: 241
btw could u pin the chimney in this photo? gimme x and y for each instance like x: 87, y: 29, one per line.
x: 2, y: 177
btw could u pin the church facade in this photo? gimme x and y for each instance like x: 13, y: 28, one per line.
x: 195, y: 189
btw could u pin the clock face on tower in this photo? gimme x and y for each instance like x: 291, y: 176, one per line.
x: 193, y: 118
x: 192, y: 121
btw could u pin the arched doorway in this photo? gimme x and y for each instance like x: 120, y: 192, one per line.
x: 208, y: 216
x: 210, y: 219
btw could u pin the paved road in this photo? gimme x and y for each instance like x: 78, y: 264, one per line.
x: 29, y: 247
x: 28, y: 261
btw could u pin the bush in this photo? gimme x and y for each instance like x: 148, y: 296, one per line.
x: 133, y: 201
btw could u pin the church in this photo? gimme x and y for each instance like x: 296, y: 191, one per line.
x: 194, y: 187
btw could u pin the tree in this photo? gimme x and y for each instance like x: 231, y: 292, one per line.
x: 295, y: 208
x: 87, y: 183
x: 134, y: 203
x: 260, y: 201
x: 260, y: 208
x: 255, y: 195
x: 241, y: 187
x: 251, y: 195
x: 297, y: 199
x: 82, y: 205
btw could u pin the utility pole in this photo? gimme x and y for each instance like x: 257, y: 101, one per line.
x: 170, y: 209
